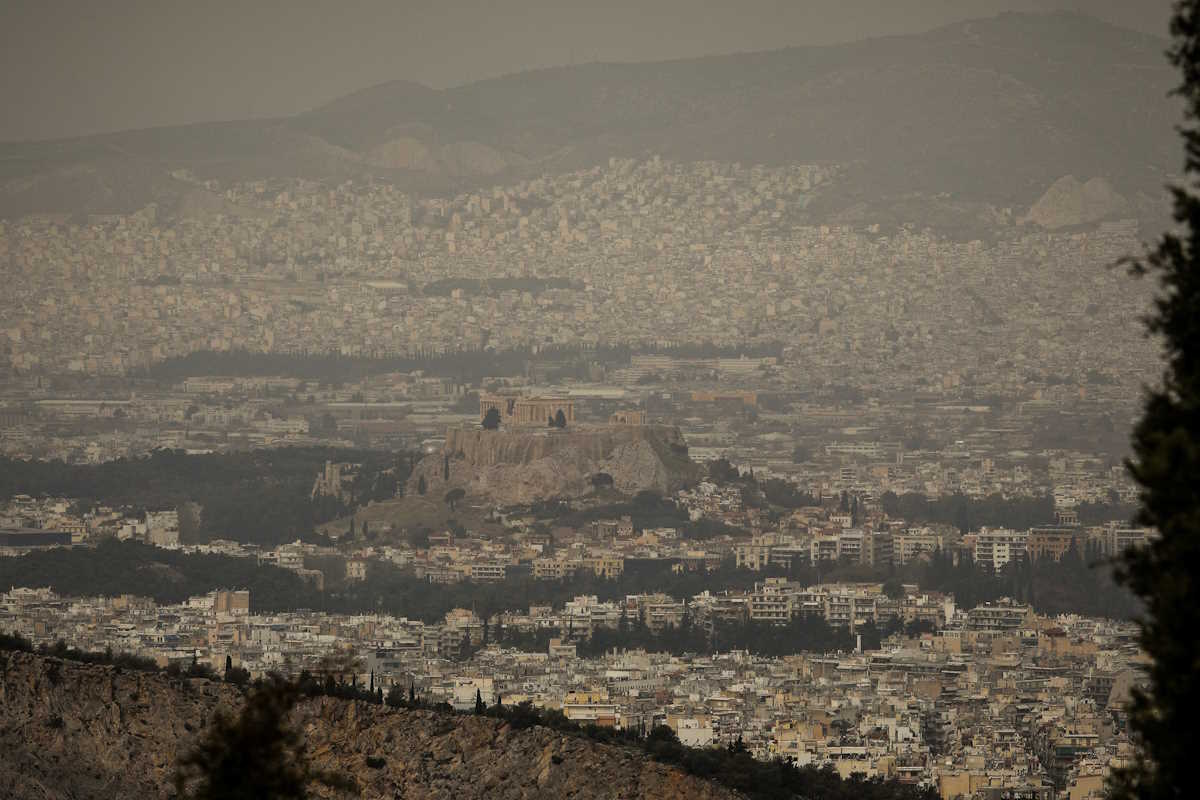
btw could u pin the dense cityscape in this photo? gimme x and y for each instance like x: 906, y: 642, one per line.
x: 770, y: 478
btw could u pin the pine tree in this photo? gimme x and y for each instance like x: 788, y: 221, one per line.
x: 479, y: 705
x: 256, y: 755
x: 1166, y: 464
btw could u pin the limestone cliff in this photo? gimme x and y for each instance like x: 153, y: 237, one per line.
x: 523, y: 465
x: 1068, y: 202
x: 72, y: 730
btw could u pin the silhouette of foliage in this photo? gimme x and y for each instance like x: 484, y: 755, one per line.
x: 1166, y: 464
x: 255, y: 755
x: 259, y: 496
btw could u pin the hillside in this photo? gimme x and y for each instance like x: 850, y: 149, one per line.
x: 526, y: 465
x: 75, y: 730
x: 988, y: 112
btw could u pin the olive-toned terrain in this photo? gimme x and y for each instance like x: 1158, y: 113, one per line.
x: 72, y: 730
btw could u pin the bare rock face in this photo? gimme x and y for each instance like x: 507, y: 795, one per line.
x: 404, y: 152
x: 1069, y: 202
x: 524, y: 465
x: 71, y: 730
x: 458, y: 159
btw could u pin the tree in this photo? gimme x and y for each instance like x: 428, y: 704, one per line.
x: 418, y: 538
x: 491, y: 420
x: 1166, y: 464
x: 189, y: 523
x: 889, y: 502
x: 453, y: 496
x: 480, y: 706
x: 893, y: 588
x: 446, y: 468
x: 602, y: 480
x: 327, y: 424
x: 560, y: 419
x: 721, y: 471
x: 256, y: 755
x: 422, y: 487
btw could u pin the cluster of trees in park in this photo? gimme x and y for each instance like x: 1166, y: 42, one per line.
x: 257, y: 496
x: 996, y: 511
x: 646, y: 509
x: 1078, y: 584
x: 1084, y: 433
x: 398, y: 591
x: 168, y: 576
x: 803, y: 635
x: 336, y: 369
x: 467, y: 365
x: 811, y: 634
x: 1082, y: 582
x: 966, y: 513
x: 773, y: 492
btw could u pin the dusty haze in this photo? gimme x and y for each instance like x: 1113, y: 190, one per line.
x: 72, y: 68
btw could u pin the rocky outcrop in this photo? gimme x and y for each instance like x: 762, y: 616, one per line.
x: 72, y: 730
x: 522, y: 465
x: 458, y: 159
x: 1069, y: 202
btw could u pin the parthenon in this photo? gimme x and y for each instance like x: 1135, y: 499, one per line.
x: 519, y: 410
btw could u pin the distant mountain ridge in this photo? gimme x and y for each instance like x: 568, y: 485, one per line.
x: 989, y: 111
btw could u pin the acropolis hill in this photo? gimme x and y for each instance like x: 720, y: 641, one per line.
x: 523, y: 464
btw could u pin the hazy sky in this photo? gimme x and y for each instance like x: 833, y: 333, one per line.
x: 69, y: 68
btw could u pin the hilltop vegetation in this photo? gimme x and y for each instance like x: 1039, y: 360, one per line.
x: 257, y: 496
x: 398, y: 747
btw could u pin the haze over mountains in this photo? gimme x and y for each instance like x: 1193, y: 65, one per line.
x: 982, y: 114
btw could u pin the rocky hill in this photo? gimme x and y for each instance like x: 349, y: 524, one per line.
x: 524, y: 465
x: 77, y: 731
x: 1069, y: 202
x: 959, y: 121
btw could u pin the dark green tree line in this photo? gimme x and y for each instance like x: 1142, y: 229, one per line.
x: 1166, y: 465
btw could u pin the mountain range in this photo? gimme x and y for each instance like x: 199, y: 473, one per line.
x: 991, y: 111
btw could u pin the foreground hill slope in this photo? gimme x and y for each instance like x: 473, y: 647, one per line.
x: 72, y: 730
x: 990, y: 111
